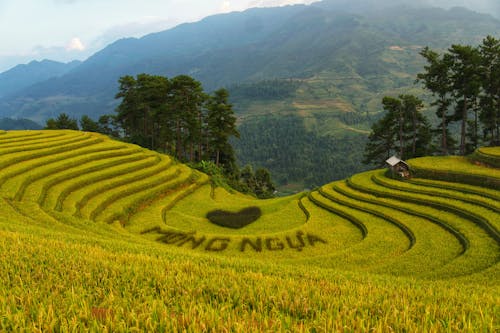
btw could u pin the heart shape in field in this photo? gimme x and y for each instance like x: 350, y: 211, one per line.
x: 233, y: 220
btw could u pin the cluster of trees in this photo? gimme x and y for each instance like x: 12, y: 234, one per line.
x: 296, y: 155
x: 403, y: 130
x: 177, y: 117
x: 104, y: 125
x: 465, y: 82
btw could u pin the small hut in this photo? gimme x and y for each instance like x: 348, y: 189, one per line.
x: 399, y: 167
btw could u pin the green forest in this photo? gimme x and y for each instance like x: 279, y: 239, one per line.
x: 279, y: 143
x: 465, y: 84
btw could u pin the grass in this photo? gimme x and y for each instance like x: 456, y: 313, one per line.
x: 489, y: 156
x: 456, y: 169
x: 369, y: 254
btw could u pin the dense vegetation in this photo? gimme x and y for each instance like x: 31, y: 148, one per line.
x: 465, y: 80
x: 403, y: 130
x: 280, y: 144
x: 98, y: 234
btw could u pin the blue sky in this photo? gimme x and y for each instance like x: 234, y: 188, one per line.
x: 64, y: 30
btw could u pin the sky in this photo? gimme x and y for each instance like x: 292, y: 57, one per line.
x: 64, y: 30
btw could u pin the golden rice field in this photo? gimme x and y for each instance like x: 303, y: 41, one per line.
x: 100, y: 235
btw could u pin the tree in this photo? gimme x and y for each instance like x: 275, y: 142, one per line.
x: 88, y: 125
x: 416, y: 127
x: 221, y: 124
x: 403, y: 130
x: 394, y: 107
x: 380, y: 144
x: 466, y: 84
x: 108, y: 126
x: 142, y: 98
x: 63, y: 121
x: 186, y: 97
x: 437, y: 79
x: 258, y: 183
x: 490, y: 82
x: 264, y: 186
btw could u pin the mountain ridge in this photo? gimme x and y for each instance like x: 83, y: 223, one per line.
x: 257, y: 44
x: 24, y: 75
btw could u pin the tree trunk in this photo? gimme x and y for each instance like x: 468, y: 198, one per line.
x: 217, y: 158
x: 200, y: 143
x: 414, y: 144
x: 179, y: 143
x: 401, y: 141
x: 463, y: 130
x: 496, y: 128
x: 476, y: 137
x: 444, y: 143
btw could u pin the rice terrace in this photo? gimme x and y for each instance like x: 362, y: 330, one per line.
x: 98, y: 234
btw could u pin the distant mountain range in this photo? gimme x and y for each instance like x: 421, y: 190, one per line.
x: 23, y: 76
x: 348, y: 38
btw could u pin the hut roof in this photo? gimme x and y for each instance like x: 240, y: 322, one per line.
x: 392, y: 161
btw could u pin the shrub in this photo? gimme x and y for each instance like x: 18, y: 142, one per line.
x: 234, y: 220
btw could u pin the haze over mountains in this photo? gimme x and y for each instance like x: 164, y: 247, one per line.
x: 300, y: 41
x: 23, y: 76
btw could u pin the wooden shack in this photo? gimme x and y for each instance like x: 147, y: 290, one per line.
x: 398, y: 167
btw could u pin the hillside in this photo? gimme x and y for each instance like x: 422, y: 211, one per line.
x: 23, y: 76
x: 328, y: 63
x: 329, y: 51
x: 101, y: 234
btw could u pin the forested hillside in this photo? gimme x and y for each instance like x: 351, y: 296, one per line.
x: 328, y: 66
x: 280, y: 144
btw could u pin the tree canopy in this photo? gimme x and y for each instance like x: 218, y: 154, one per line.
x: 465, y: 84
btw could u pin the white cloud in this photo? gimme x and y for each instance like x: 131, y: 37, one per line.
x: 225, y: 6
x: 276, y: 3
x: 75, y: 44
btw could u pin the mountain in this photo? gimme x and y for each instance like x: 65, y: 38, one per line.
x: 286, y: 42
x: 23, y: 76
x: 328, y: 63
x: 18, y: 124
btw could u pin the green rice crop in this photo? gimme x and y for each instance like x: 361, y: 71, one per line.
x: 442, y: 192
x: 93, y: 194
x: 426, y: 254
x: 371, y: 254
x: 67, y: 192
x: 485, y: 218
x: 457, y: 169
x: 483, y: 252
x: 32, y: 185
x: 460, y: 187
x: 488, y: 155
x: 491, y: 151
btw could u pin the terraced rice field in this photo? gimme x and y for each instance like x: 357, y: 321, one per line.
x: 97, y: 234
